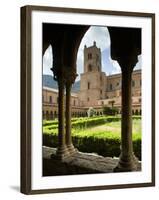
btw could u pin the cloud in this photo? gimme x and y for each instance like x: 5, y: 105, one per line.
x: 109, y: 66
x: 47, y: 61
x: 98, y: 34
x: 115, y: 65
x: 139, y: 63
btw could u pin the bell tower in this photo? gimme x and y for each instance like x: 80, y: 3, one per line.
x: 92, y: 58
x: 92, y: 84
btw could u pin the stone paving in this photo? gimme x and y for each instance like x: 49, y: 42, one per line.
x: 80, y: 163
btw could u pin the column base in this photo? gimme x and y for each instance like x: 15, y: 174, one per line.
x: 72, y: 150
x: 62, y: 153
x: 127, y: 164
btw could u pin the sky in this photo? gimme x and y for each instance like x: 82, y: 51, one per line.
x: 102, y: 38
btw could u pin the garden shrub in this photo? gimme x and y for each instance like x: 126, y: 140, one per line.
x: 103, y: 146
x: 110, y: 110
x: 49, y: 122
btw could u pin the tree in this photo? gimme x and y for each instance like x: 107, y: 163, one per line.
x: 110, y: 111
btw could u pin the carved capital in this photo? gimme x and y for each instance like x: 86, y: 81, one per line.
x: 70, y: 75
x: 67, y: 75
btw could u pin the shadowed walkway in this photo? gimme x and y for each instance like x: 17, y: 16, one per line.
x: 81, y: 163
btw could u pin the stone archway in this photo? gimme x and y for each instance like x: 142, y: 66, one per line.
x: 47, y: 115
x: 125, y: 48
x: 51, y: 115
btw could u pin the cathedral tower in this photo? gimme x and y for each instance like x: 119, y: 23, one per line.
x: 92, y: 59
x: 92, y: 84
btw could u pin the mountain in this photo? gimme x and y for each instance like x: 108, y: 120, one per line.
x: 76, y: 86
x: 48, y: 81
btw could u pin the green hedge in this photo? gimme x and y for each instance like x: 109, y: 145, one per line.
x: 102, y: 146
x: 49, y: 122
x: 86, y: 122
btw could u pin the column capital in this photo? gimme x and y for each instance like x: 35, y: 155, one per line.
x: 65, y: 74
x: 127, y: 64
x: 70, y: 75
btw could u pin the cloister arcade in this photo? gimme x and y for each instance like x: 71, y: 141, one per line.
x: 125, y: 48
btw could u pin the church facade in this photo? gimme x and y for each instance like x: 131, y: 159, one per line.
x: 97, y: 89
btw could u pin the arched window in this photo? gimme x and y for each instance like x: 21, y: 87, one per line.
x: 51, y: 115
x: 136, y: 112
x: 89, y: 56
x: 50, y: 99
x: 90, y: 68
x: 140, y: 112
x: 88, y: 85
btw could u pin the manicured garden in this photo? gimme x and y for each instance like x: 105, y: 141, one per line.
x: 101, y: 135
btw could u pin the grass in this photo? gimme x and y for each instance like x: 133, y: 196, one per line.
x: 108, y: 129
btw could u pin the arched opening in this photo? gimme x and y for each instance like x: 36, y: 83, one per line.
x: 89, y: 67
x: 88, y: 85
x: 51, y: 115
x: 136, y: 112
x: 68, y: 58
x: 113, y: 85
x: 47, y: 115
x: 50, y: 86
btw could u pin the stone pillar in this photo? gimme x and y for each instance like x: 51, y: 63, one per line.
x: 62, y: 151
x: 70, y: 79
x: 127, y: 160
x: 69, y: 144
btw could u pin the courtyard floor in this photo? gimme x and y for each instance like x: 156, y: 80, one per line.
x: 81, y: 163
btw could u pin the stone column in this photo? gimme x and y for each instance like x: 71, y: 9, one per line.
x: 70, y: 79
x: 69, y: 144
x: 127, y: 160
x: 62, y: 151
